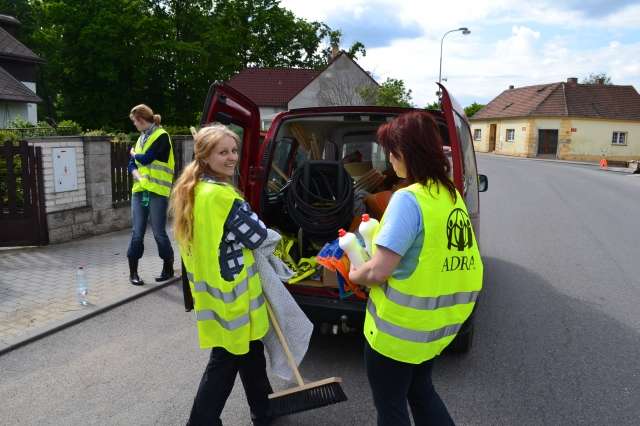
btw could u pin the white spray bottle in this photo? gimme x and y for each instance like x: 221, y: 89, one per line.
x: 349, y: 243
x: 367, y: 229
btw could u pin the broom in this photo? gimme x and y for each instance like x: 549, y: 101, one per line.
x: 305, y: 396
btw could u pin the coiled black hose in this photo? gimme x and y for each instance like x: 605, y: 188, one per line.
x: 320, y: 198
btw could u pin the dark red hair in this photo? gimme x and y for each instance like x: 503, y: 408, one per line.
x: 415, y: 137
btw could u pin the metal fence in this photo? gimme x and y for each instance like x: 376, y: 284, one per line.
x: 121, y: 180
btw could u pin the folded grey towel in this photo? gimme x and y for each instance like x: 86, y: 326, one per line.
x: 295, y: 325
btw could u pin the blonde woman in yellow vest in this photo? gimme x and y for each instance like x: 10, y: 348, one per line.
x: 216, y: 231
x: 425, y: 275
x: 152, y: 166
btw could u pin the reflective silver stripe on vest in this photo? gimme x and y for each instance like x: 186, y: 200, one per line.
x: 429, y: 303
x: 230, y: 297
x: 158, y: 181
x: 407, y: 333
x: 159, y: 167
x: 234, y: 324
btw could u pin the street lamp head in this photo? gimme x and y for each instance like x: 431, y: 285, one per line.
x: 464, y: 30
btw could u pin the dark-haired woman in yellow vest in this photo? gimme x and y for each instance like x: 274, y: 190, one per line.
x: 425, y: 276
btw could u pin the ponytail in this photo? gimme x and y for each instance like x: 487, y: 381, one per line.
x: 182, y: 202
x: 157, y: 119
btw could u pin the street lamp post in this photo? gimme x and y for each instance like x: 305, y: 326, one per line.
x: 465, y: 31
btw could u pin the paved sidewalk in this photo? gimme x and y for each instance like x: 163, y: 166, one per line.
x: 37, y: 285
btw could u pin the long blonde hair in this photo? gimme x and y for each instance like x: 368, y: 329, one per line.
x: 146, y: 113
x: 183, y: 194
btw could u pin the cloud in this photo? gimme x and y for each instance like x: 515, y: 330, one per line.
x: 515, y: 42
x: 596, y: 8
x: 372, y: 27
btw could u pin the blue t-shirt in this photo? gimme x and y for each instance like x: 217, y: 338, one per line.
x: 403, y: 232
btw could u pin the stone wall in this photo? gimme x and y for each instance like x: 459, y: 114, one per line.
x: 88, y: 210
x: 59, y: 201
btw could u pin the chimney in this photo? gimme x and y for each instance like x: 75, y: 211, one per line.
x: 511, y: 87
x: 572, y: 80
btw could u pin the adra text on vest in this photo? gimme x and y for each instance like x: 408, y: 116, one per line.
x: 458, y: 263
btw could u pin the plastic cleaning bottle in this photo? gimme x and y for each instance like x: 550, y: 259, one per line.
x: 366, y: 229
x: 349, y: 243
x: 82, y: 288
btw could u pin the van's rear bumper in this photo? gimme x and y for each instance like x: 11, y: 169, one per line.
x: 325, y: 309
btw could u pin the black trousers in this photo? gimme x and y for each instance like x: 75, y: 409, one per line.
x: 217, y: 383
x: 395, y: 383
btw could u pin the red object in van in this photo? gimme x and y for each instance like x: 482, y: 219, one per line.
x: 267, y: 161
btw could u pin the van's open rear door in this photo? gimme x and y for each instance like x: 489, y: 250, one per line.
x: 465, y: 172
x: 226, y: 105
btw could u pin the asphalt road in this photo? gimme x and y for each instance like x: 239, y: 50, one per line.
x: 557, y: 335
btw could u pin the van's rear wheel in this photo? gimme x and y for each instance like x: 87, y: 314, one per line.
x: 463, y: 341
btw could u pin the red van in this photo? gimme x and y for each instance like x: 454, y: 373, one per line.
x: 333, y: 140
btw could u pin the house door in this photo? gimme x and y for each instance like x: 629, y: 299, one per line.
x: 492, y: 137
x: 547, y: 142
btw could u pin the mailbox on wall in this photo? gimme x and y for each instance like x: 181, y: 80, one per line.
x: 65, y: 170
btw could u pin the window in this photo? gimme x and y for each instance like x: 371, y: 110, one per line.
x: 477, y: 134
x: 511, y: 135
x: 619, y: 138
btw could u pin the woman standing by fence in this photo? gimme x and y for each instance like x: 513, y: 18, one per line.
x: 152, y: 167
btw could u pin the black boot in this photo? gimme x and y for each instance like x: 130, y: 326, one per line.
x: 133, y: 272
x: 167, y: 271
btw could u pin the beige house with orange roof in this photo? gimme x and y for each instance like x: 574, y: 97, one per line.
x: 566, y: 120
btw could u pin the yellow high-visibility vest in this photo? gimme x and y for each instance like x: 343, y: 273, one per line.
x: 156, y: 176
x: 412, y: 320
x: 229, y: 314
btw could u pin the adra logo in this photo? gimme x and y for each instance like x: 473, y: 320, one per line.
x: 459, y: 237
x: 459, y: 233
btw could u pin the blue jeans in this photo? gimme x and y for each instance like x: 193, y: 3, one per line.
x: 395, y: 383
x: 157, y: 209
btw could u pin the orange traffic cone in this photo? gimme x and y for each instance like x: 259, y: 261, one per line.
x: 603, y: 164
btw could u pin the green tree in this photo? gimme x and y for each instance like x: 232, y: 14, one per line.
x: 392, y: 92
x: 104, y: 56
x: 433, y: 105
x: 472, y: 109
x: 595, y: 78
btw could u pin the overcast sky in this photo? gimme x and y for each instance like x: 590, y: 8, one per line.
x: 511, y: 42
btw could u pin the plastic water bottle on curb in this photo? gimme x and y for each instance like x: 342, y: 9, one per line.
x: 349, y: 243
x: 82, y: 288
x: 366, y: 229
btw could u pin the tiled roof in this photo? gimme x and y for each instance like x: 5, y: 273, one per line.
x: 8, y: 19
x: 272, y: 86
x: 12, y: 48
x: 12, y: 90
x: 565, y: 100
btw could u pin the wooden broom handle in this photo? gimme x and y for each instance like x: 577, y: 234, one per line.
x: 285, y: 346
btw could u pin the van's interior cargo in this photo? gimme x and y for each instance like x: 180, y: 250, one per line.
x: 323, y: 173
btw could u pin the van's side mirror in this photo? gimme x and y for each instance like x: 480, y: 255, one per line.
x: 483, y: 183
